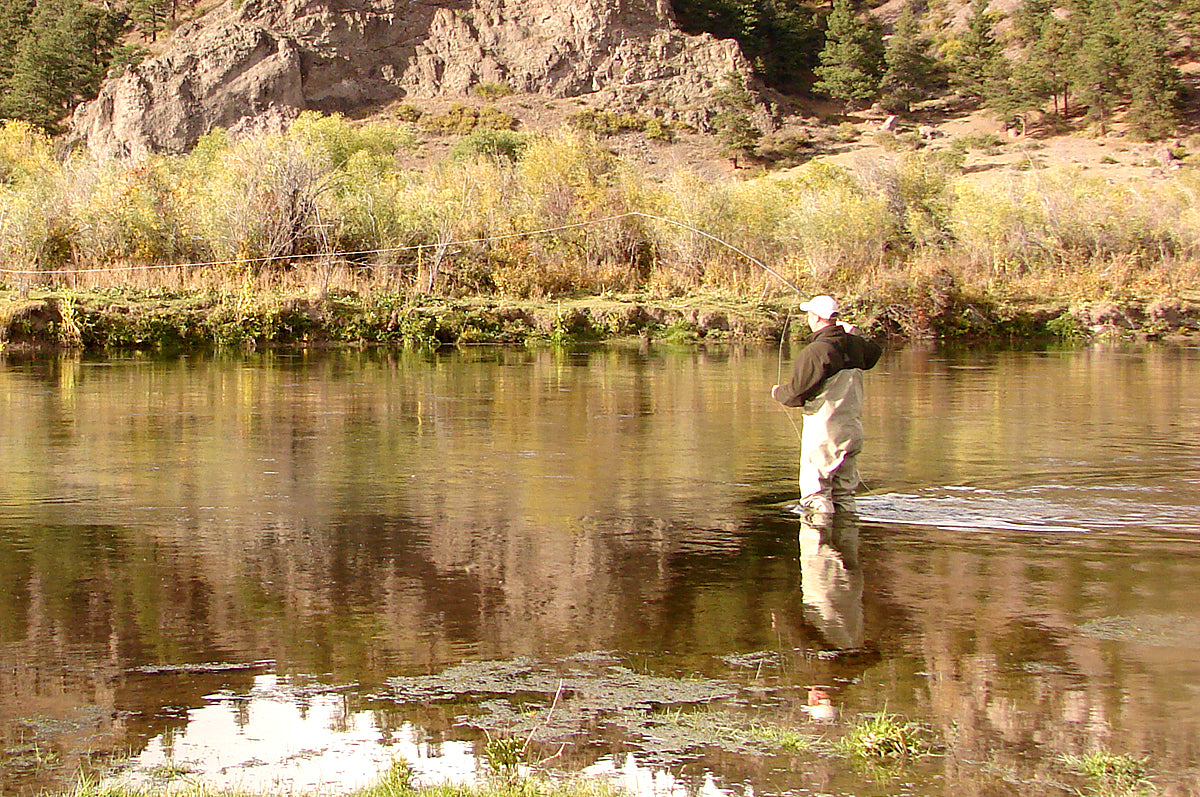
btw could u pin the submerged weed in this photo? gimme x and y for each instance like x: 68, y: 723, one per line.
x: 787, y: 739
x: 30, y: 757
x: 725, y: 727
x: 171, y: 770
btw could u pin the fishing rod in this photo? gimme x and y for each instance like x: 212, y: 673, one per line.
x: 721, y: 241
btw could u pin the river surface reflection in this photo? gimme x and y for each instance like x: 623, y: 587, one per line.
x: 244, y: 570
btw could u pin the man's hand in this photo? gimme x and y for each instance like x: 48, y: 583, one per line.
x: 775, y: 392
x: 853, y: 330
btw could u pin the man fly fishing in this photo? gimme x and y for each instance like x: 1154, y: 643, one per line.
x: 827, y: 385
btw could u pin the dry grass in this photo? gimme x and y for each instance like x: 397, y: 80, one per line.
x: 326, y: 207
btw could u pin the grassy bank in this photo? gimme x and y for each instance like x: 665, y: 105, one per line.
x: 319, y: 235
x: 165, y: 321
x: 397, y: 781
x: 877, y: 746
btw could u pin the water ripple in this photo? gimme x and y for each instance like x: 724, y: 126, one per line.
x: 1040, y: 509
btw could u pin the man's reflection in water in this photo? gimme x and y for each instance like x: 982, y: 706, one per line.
x: 831, y: 587
x: 831, y: 580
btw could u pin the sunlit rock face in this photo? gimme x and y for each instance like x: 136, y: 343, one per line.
x: 255, y: 65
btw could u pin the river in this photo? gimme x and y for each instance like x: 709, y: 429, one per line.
x: 284, y: 570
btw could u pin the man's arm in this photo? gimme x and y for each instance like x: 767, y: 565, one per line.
x: 808, y: 371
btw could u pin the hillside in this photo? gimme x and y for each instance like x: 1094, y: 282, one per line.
x: 538, y: 66
x: 989, y: 149
x: 254, y: 66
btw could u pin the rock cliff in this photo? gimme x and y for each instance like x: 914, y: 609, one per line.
x: 254, y: 65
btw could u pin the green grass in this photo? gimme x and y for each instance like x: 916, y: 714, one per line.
x: 1112, y: 775
x: 396, y: 781
x: 882, y: 736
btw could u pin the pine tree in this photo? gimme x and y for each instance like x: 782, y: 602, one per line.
x: 14, y: 23
x: 787, y: 40
x: 149, y: 17
x: 60, y: 60
x: 851, y: 62
x: 1042, y: 73
x: 909, y: 68
x: 1152, y: 79
x: 734, y: 123
x: 1098, y: 67
x: 1188, y: 16
x: 975, y: 66
x: 780, y: 37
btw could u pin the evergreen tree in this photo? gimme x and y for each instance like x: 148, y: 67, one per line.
x: 1189, y: 18
x: 1152, y: 79
x: 1013, y: 91
x: 781, y: 37
x: 734, y: 122
x: 149, y: 17
x: 909, y: 69
x: 851, y: 62
x: 1042, y: 73
x: 788, y: 38
x: 60, y: 60
x: 14, y: 22
x: 976, y: 64
x: 1097, y: 71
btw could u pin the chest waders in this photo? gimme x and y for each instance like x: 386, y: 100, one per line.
x: 830, y: 442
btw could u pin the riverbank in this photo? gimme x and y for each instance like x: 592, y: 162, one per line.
x: 328, y: 235
x: 396, y: 781
x: 188, y: 320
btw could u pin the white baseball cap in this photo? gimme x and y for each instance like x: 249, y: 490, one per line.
x: 822, y: 306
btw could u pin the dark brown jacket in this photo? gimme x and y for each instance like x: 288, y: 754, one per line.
x: 829, y: 350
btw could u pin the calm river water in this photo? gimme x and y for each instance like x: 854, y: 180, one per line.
x: 283, y: 571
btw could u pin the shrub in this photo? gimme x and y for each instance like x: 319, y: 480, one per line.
x: 836, y: 224
x: 25, y: 153
x: 406, y: 112
x: 658, y: 130
x: 491, y: 90
x: 610, y: 123
x: 606, y: 123
x: 846, y: 132
x: 140, y: 214
x: 494, y: 145
x: 463, y: 119
x: 788, y: 150
x: 990, y: 143
x: 1066, y: 326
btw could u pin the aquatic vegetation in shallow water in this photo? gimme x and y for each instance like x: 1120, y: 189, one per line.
x: 520, y: 703
x: 883, y: 736
x: 1112, y: 775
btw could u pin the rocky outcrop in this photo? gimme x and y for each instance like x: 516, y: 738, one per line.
x: 255, y: 65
